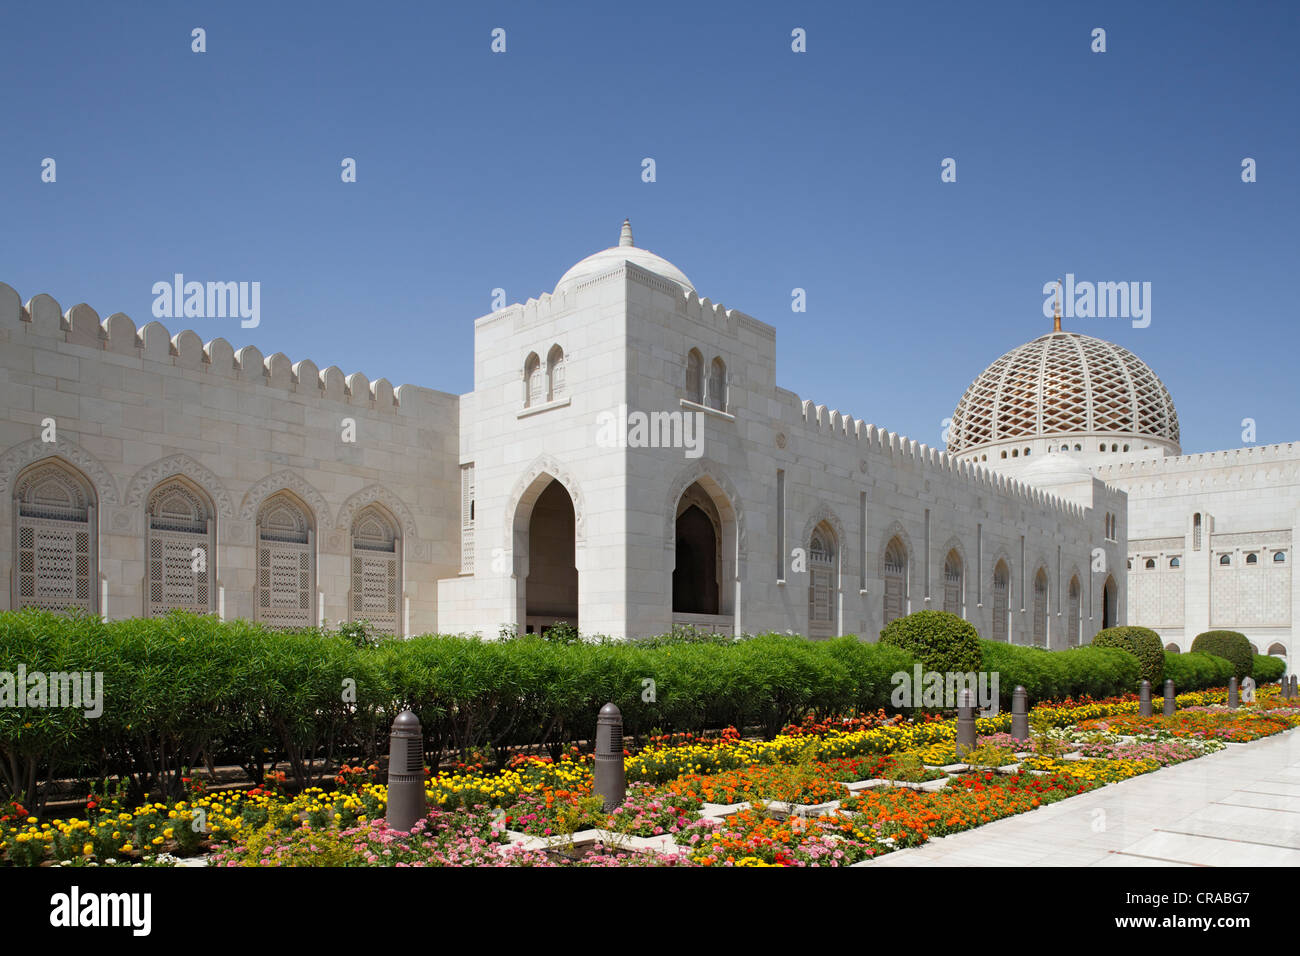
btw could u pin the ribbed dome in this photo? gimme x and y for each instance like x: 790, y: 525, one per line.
x: 607, y: 259
x: 1063, y: 384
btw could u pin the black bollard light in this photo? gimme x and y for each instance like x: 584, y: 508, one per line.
x: 1233, y: 700
x: 965, y: 724
x: 1144, y: 699
x: 405, y: 773
x: 1020, y: 713
x: 1169, y: 698
x: 1295, y: 686
x: 609, y: 778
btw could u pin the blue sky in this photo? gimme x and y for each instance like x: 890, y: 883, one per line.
x: 775, y: 170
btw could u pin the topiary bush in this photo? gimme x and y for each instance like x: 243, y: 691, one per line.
x: 1268, y: 669
x: 1195, y: 671
x: 1055, y: 675
x: 941, y: 641
x: 1231, y: 646
x: 1143, y: 643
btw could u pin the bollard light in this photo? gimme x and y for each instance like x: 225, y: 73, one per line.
x: 965, y: 724
x: 405, y: 773
x: 1169, y: 698
x: 609, y: 778
x: 1233, y: 700
x: 1144, y: 699
x: 1295, y: 686
x: 1020, y: 713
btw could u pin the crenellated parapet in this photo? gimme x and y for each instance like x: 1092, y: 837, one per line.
x: 903, y: 451
x: 1287, y: 453
x: 118, y: 334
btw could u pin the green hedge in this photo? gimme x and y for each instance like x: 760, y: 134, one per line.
x: 1055, y: 675
x: 181, y: 689
x: 1229, y: 645
x: 1268, y: 669
x: 942, y: 642
x: 1194, y: 671
x: 1143, y: 643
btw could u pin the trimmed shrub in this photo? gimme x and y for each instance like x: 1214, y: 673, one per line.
x: 1143, y: 643
x: 1055, y: 675
x: 1231, y: 646
x: 941, y: 641
x: 1194, y: 671
x: 1268, y: 669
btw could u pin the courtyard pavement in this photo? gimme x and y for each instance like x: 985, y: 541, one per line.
x: 1238, y: 807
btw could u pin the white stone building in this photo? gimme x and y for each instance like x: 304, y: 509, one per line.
x: 625, y: 461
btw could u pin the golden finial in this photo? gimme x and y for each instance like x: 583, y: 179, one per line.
x: 1056, y: 320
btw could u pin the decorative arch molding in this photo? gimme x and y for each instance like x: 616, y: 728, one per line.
x: 822, y: 513
x: 285, y: 481
x: 376, y: 494
x: 712, y: 477
x: 954, y: 544
x: 527, y: 486
x: 896, y: 530
x: 1001, y: 555
x: 19, y: 456
x: 148, y: 478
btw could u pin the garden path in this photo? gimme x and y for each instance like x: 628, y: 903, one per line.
x: 1237, y: 807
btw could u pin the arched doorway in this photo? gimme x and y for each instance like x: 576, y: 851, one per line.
x: 1109, y: 617
x: 1040, y: 608
x: 1001, y: 601
x: 952, y: 583
x: 895, y: 577
x: 550, y: 585
x: 823, y: 589
x: 695, y: 575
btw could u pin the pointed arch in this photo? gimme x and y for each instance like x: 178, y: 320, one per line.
x: 371, y: 494
x: 896, y: 567
x: 529, y: 485
x: 1041, y: 586
x: 555, y: 385
x: 695, y: 377
x: 376, y: 567
x: 1001, y: 589
x: 17, y: 457
x: 534, y: 385
x: 285, y: 481
x: 713, y: 478
x: 55, y: 537
x: 179, y: 547
x: 148, y: 477
x: 286, y: 560
x: 954, y: 571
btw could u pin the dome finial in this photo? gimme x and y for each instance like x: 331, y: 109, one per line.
x: 625, y: 237
x: 1056, y: 320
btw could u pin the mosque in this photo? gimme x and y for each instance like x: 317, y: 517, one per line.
x: 625, y: 462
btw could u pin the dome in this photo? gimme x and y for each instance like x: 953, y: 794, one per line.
x: 625, y: 251
x: 1065, y: 384
x: 1055, y: 470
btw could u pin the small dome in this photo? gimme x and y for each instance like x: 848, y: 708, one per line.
x: 1064, y: 384
x: 625, y: 251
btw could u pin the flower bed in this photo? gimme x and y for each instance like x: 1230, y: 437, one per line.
x: 541, y: 812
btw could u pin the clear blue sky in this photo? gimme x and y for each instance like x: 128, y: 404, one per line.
x: 775, y: 170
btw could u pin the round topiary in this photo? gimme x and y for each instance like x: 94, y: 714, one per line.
x: 941, y: 641
x: 1143, y: 643
x: 1230, y: 645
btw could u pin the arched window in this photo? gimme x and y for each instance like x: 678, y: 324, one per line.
x: 1150, y: 564
x: 554, y: 373
x: 1015, y: 453
x: 286, y: 563
x: 179, y: 549
x: 695, y: 377
x: 534, y: 384
x: 1175, y: 562
x: 1078, y: 448
x: 377, y: 570
x: 55, y: 532
x: 1252, y: 559
x: 1001, y: 601
x: 1279, y: 556
x: 718, y: 385
x: 1196, y: 532
x: 1040, y: 608
x: 1073, y: 621
x: 1004, y: 454
x: 822, y: 587
x: 1225, y: 559
x: 895, y: 576
x: 1129, y: 564
x: 952, y: 583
